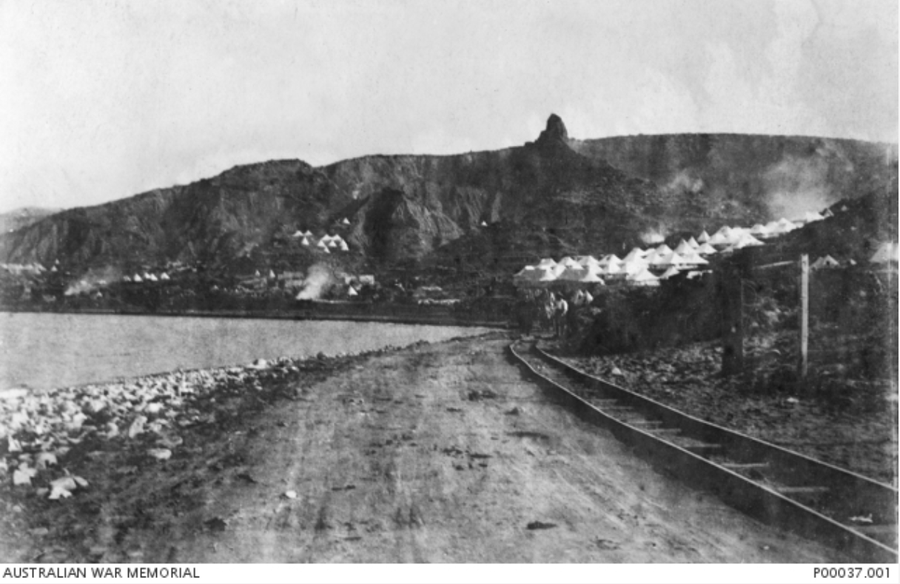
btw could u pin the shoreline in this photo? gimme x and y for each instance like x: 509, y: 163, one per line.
x: 239, y: 464
x: 422, y: 318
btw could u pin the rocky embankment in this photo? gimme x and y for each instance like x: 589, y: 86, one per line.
x: 78, y: 443
x: 854, y: 428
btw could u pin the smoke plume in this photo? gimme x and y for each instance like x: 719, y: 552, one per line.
x: 796, y: 185
x: 92, y: 280
x: 318, y: 279
x: 654, y: 236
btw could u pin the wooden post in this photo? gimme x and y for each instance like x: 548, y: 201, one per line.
x: 802, y: 363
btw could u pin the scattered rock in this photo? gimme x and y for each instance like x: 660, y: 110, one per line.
x: 12, y: 394
x: 62, y: 488
x: 160, y: 453
x: 540, y: 525
x: 216, y: 524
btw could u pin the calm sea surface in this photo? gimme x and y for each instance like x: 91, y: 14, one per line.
x: 44, y: 351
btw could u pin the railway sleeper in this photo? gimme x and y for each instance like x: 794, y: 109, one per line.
x: 666, y: 431
x: 646, y: 424
x: 739, y: 466
x: 804, y: 494
x: 703, y: 449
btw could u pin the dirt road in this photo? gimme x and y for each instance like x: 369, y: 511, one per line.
x: 434, y: 453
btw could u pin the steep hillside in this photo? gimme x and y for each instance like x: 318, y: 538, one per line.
x: 213, y: 220
x: 23, y: 217
x: 710, y: 175
x: 479, y: 209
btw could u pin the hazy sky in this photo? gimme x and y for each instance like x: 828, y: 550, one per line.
x: 103, y: 99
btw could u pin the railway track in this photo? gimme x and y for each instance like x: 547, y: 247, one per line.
x: 816, y: 500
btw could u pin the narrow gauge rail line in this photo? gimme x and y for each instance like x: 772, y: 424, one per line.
x: 775, y: 485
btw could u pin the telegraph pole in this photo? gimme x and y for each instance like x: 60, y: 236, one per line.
x: 802, y: 361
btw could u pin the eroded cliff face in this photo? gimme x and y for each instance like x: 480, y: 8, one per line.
x: 548, y: 195
x: 713, y: 175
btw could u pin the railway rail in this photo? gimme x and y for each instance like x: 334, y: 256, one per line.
x: 816, y: 500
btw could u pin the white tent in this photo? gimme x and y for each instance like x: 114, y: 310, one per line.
x: 345, y: 221
x: 886, y: 252
x: 693, y: 242
x: 572, y: 273
x: 746, y: 240
x: 703, y: 237
x: 613, y: 270
x: 567, y: 262
x: 643, y: 278
x: 151, y: 278
x: 297, y: 233
x: 546, y: 263
x: 670, y: 259
x: 164, y: 276
x: 591, y: 278
x: 587, y: 261
x: 672, y: 271
x: 635, y: 266
x: 548, y: 276
x: 307, y: 233
x: 693, y: 258
x: 272, y: 274
x: 483, y: 224
x: 305, y: 241
x: 663, y: 249
x: 609, y: 259
x: 635, y: 253
x: 721, y: 237
x: 759, y: 229
x: 126, y: 278
x: 684, y: 247
x: 782, y: 226
x: 812, y: 216
x: 525, y: 273
x: 344, y: 246
x: 824, y: 262
x: 137, y: 278
x: 351, y: 291
x: 706, y: 249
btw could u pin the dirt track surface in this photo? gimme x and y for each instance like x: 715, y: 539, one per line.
x: 434, y: 453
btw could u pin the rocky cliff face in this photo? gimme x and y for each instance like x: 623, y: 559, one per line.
x: 710, y: 175
x: 549, y: 195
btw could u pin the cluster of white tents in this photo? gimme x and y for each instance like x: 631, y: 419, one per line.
x: 646, y: 267
x: 327, y: 243
x: 638, y: 268
x: 146, y: 277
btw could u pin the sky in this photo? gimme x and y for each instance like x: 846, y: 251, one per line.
x: 104, y: 99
